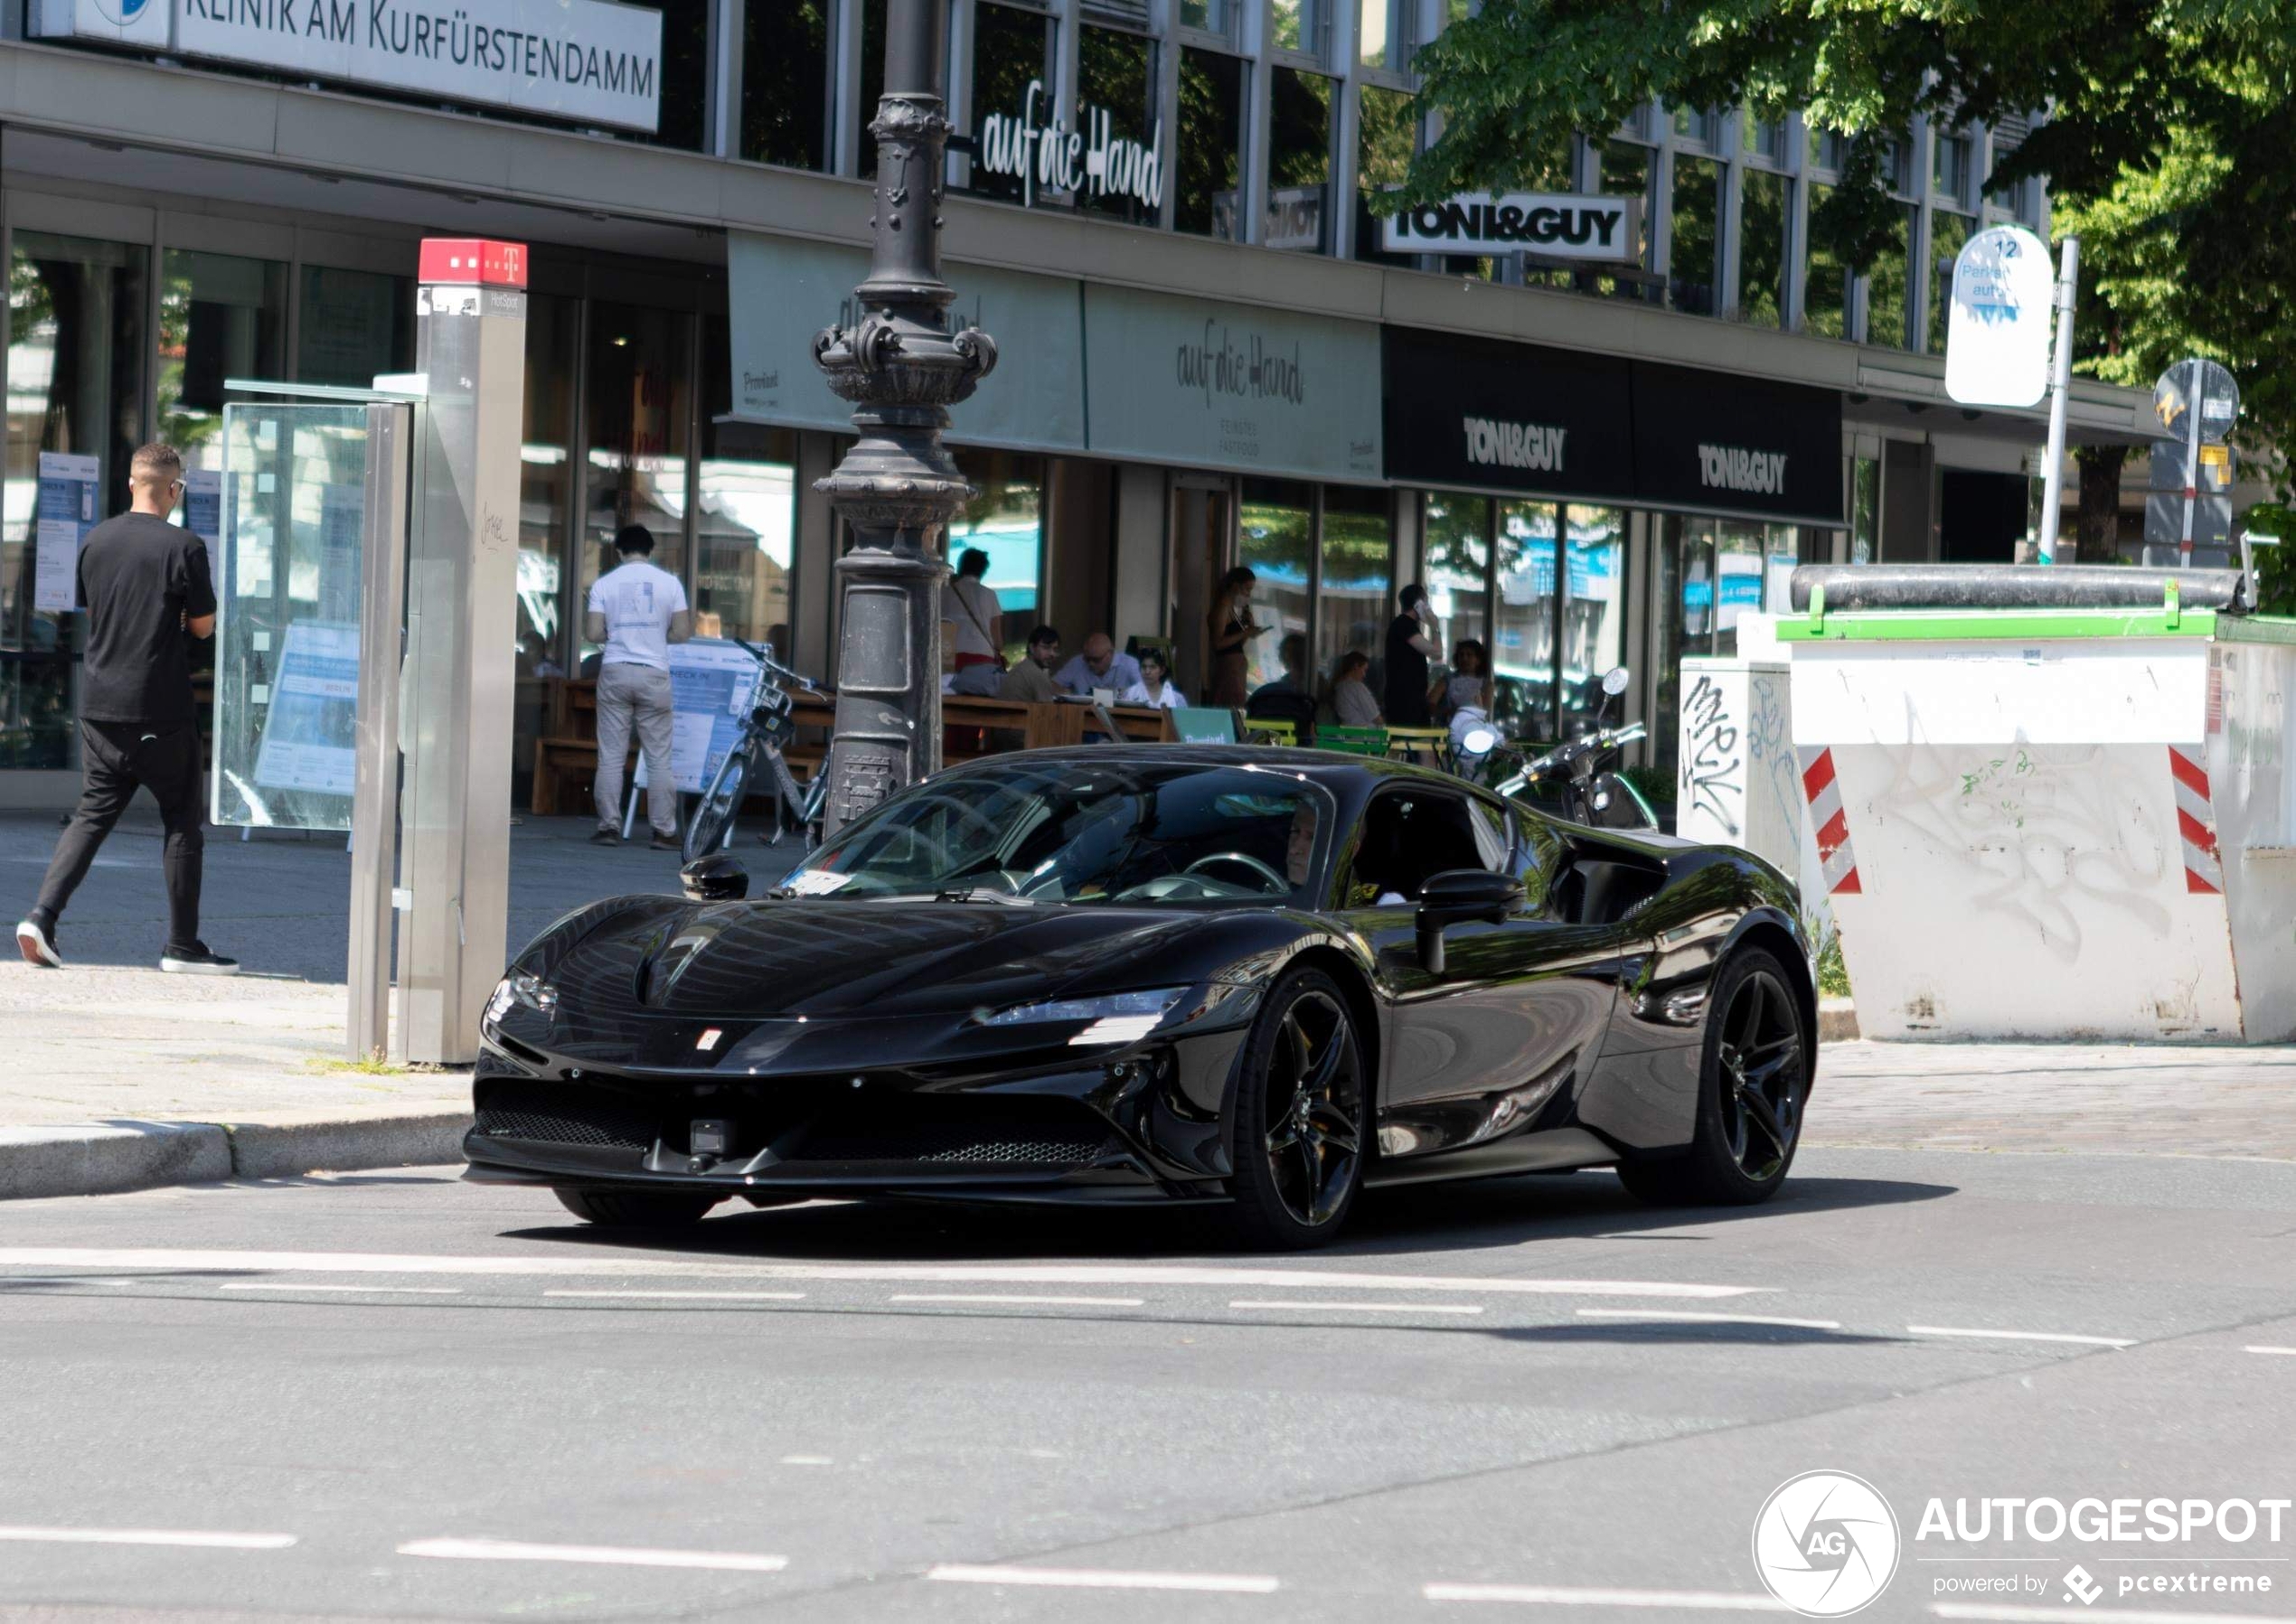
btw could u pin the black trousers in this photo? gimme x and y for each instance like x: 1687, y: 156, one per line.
x: 115, y: 758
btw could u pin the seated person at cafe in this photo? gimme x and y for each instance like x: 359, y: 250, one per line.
x: 1156, y: 685
x: 1293, y: 652
x: 1032, y: 680
x: 1099, y: 666
x: 1352, y: 704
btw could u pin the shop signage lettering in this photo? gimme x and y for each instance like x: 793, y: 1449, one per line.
x: 1734, y: 468
x: 1497, y: 444
x: 1556, y: 226
x: 1217, y: 365
x: 1094, y: 161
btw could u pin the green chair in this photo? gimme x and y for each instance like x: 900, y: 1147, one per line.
x: 1352, y: 741
x: 1266, y: 730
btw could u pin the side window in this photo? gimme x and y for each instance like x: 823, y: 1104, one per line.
x: 1488, y: 828
x: 1410, y: 834
x: 1537, y: 857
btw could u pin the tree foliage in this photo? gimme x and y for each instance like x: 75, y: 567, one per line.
x: 2169, y: 142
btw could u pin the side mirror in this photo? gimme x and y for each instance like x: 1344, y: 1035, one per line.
x: 1614, y: 681
x: 717, y: 878
x: 1480, y: 741
x: 1454, y: 896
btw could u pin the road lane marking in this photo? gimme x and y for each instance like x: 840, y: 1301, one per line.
x: 1103, y: 1579
x: 197, y: 1538
x: 1948, y: 1330
x: 211, y: 1259
x: 1571, y: 1595
x: 1362, y: 1307
x: 691, y: 1296
x: 2012, y: 1614
x: 313, y: 1285
x: 2266, y: 1348
x: 1692, y: 1317
x: 1072, y: 1302
x: 626, y: 1556
x: 806, y: 1460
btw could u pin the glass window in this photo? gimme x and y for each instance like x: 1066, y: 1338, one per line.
x: 1117, y: 72
x: 1948, y: 235
x: 1012, y: 50
x: 220, y: 316
x: 1766, y: 210
x: 873, y: 78
x: 1825, y: 288
x: 685, y: 72
x: 1299, y: 160
x: 1005, y: 519
x: 1275, y: 528
x: 1829, y: 149
x: 75, y: 385
x: 785, y: 83
x: 1740, y: 568
x: 639, y: 403
x: 1950, y: 168
x: 745, y: 513
x: 1358, y: 567
x: 1627, y: 171
x: 353, y: 324
x: 1698, y: 207
x: 1594, y: 608
x: 1383, y: 32
x: 1209, y: 16
x: 1210, y: 141
x: 1522, y: 643
x: 1297, y: 25
x: 1387, y: 135
x: 1457, y: 572
x: 1692, y: 124
x: 1766, y: 139
x: 1865, y: 509
x: 1889, y: 309
x: 545, y: 501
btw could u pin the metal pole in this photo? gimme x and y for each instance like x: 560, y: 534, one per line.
x: 2060, y: 384
x: 902, y: 369
x: 374, y: 795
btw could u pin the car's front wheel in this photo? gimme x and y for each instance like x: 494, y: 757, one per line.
x: 1302, y: 1114
x: 636, y: 1209
x: 1753, y: 1079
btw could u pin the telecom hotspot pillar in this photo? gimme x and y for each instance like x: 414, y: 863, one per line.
x: 457, y: 685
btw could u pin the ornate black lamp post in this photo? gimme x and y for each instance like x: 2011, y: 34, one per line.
x: 902, y: 369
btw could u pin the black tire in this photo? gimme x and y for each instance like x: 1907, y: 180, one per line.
x: 720, y: 804
x: 636, y: 1209
x: 1300, y: 1125
x: 1753, y: 1081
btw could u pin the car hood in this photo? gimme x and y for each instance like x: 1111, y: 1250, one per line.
x: 852, y: 958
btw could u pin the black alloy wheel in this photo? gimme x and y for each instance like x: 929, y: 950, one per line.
x: 1301, y: 1117
x: 1753, y: 1083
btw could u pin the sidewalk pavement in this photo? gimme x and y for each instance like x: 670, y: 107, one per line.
x: 114, y: 1077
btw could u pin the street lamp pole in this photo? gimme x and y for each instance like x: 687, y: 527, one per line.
x: 902, y: 369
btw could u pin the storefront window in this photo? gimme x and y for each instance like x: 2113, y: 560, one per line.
x: 1665, y: 639
x: 1456, y: 542
x: 220, y: 316
x: 354, y: 325
x: 685, y: 72
x: 1010, y: 49
x: 545, y: 500
x: 1299, y: 160
x: 1357, y: 574
x: 639, y: 401
x: 1697, y: 205
x: 1766, y: 206
x: 75, y: 386
x: 1276, y: 525
x: 1210, y: 144
x: 1387, y: 134
x: 745, y: 513
x: 1948, y: 235
x: 1825, y: 289
x: 1117, y: 73
x: 1865, y: 509
x: 1005, y: 519
x: 1627, y: 172
x: 785, y: 83
x: 1523, y: 642
x: 1888, y: 308
x: 1594, y: 608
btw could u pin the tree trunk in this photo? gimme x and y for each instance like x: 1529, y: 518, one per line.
x: 2097, y: 527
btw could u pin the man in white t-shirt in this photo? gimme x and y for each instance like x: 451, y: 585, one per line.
x: 635, y: 611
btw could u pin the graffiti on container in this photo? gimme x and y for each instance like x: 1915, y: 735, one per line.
x: 1770, y: 752
x: 2040, y: 836
x: 1714, y: 765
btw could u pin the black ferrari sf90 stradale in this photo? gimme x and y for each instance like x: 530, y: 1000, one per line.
x: 1262, y: 977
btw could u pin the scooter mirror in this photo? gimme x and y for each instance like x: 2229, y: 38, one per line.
x: 1479, y: 741
x: 1614, y: 681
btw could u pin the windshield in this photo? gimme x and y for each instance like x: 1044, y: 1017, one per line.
x: 1131, y: 832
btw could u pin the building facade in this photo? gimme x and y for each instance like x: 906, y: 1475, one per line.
x: 1167, y: 213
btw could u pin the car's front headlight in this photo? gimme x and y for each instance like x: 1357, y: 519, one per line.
x: 520, y: 987
x: 1111, y: 1017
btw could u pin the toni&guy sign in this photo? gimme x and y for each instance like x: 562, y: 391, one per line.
x: 1556, y: 226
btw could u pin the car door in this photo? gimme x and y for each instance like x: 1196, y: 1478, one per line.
x: 1521, y: 1001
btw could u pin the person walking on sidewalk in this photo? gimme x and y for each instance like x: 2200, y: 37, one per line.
x: 636, y: 610
x: 145, y: 585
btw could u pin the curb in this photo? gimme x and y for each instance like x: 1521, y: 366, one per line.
x: 1837, y: 1020
x: 101, y: 1159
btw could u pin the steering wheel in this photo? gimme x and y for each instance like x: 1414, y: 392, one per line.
x: 1281, y: 886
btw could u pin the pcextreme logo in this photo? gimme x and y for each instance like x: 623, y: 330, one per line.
x: 1826, y: 1543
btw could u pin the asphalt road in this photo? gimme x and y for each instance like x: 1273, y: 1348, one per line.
x: 400, y: 1396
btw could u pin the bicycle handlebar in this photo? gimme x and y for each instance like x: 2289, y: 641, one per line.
x: 773, y: 667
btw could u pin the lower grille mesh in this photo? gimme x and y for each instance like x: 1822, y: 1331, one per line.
x: 565, y: 1116
x: 959, y: 1145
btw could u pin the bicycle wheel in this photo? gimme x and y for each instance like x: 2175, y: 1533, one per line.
x: 713, y: 819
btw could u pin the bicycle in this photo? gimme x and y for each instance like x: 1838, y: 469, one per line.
x: 769, y: 725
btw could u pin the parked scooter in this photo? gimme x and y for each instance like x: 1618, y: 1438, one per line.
x: 1588, y: 791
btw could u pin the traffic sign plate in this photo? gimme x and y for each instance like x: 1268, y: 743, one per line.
x: 2205, y: 381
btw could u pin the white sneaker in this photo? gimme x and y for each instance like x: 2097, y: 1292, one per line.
x: 37, y: 942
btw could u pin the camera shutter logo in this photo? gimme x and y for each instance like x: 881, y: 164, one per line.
x: 1826, y: 1543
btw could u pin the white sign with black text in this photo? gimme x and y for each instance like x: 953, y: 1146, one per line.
x: 1093, y: 161
x: 1554, y: 225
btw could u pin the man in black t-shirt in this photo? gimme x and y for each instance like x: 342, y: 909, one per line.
x: 144, y: 583
x: 1407, y: 651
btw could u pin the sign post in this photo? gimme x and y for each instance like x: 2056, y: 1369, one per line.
x: 2060, y: 384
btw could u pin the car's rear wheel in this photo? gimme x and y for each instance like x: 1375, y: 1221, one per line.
x: 1301, y: 1117
x: 1753, y: 1079
x: 636, y: 1209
